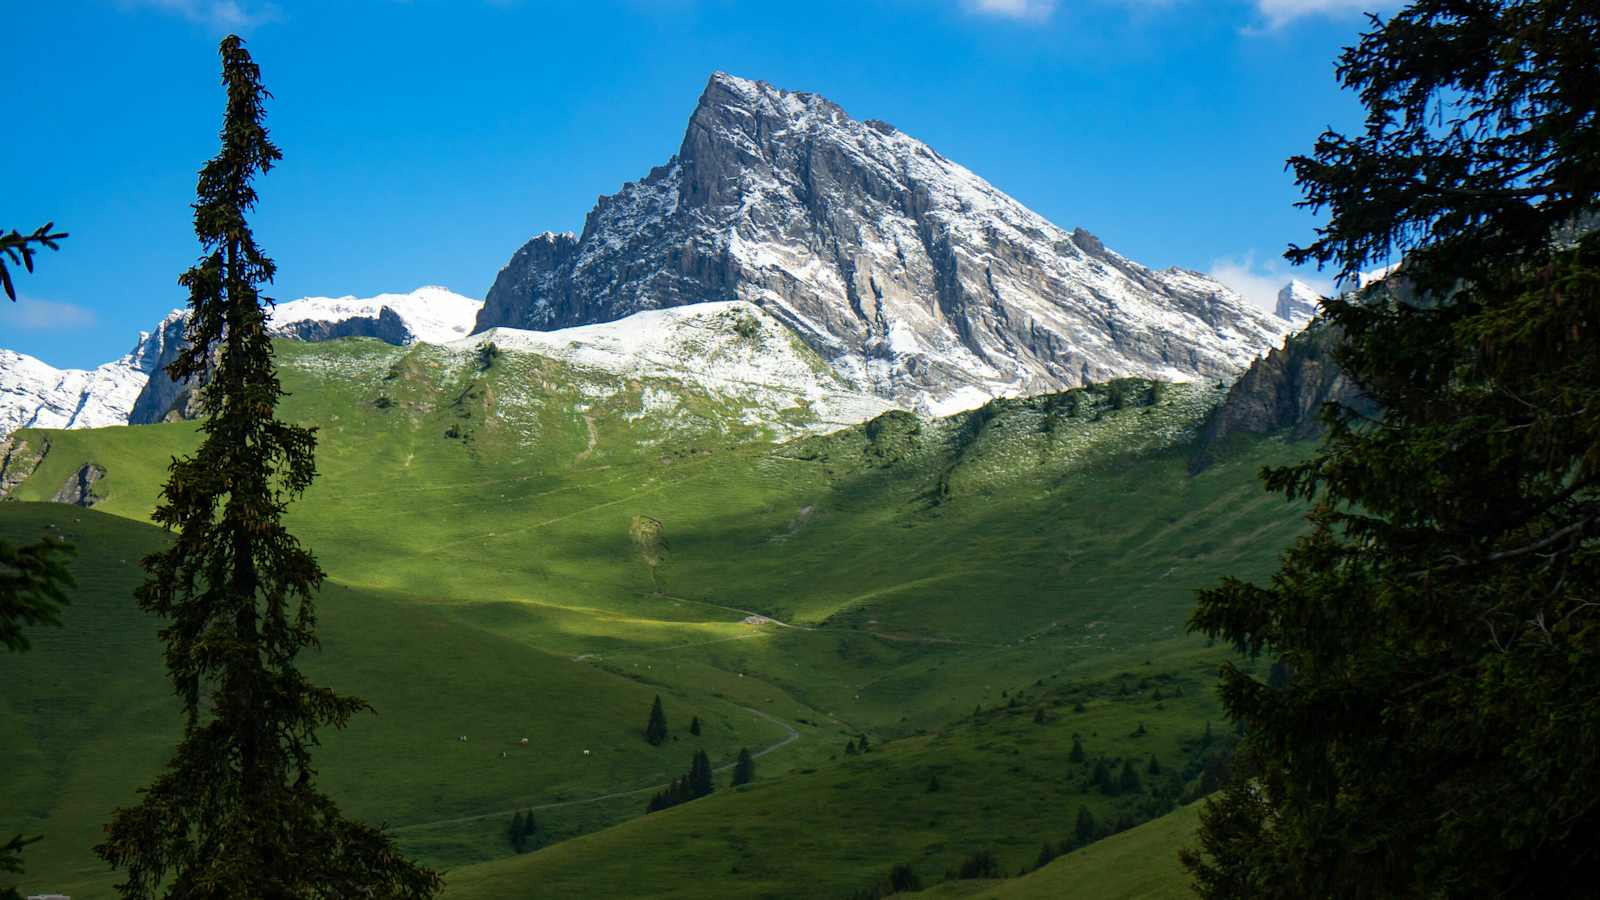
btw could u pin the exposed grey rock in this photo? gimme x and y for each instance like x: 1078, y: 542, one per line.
x: 79, y: 488
x: 386, y: 326
x: 913, y: 277
x: 18, y: 461
x: 1283, y: 392
x: 160, y: 349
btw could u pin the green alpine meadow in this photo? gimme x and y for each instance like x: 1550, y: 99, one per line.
x: 818, y: 520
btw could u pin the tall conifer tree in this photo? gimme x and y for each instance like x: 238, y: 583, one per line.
x: 236, y: 813
x: 1436, y: 733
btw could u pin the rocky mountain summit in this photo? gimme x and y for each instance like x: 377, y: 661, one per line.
x: 913, y: 277
x: 1297, y: 303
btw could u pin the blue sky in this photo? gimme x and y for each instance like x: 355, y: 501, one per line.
x: 425, y: 140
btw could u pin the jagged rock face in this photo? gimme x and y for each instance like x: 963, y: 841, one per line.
x: 1297, y: 303
x: 1283, y: 392
x: 18, y: 461
x: 912, y: 276
x: 160, y: 394
x: 34, y: 394
x: 79, y: 487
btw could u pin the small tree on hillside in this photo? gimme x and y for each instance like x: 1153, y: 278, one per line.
x: 1076, y: 756
x: 700, y: 778
x: 1086, y: 829
x: 236, y: 813
x: 744, y: 770
x: 1130, y: 782
x: 694, y: 726
x: 655, y: 729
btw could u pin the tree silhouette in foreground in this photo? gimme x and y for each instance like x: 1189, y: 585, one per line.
x: 1436, y: 731
x: 744, y: 768
x: 33, y: 577
x: 236, y: 813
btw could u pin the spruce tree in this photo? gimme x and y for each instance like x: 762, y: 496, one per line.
x: 236, y: 813
x: 33, y: 578
x: 1103, y: 780
x: 514, y: 834
x: 701, y: 782
x: 1130, y: 782
x: 694, y: 726
x: 1436, y: 733
x: 744, y: 769
x: 1086, y: 828
x: 1076, y: 756
x: 1155, y: 765
x: 655, y: 729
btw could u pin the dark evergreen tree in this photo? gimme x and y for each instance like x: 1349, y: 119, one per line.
x: 983, y: 864
x: 933, y: 783
x: 33, y: 583
x: 1437, y: 735
x: 1155, y: 766
x: 862, y: 742
x: 694, y: 726
x: 655, y: 729
x: 701, y: 781
x: 530, y: 830
x: 1038, y: 716
x: 1129, y: 782
x: 515, y: 833
x: 1076, y: 755
x: 236, y: 813
x: 744, y: 769
x: 850, y: 747
x: 1103, y: 780
x: 32, y: 577
x: 1087, y: 828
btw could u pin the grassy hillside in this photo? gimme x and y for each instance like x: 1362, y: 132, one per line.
x: 475, y: 523
x: 999, y: 781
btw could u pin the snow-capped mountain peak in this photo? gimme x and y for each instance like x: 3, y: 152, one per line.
x: 1297, y: 303
x: 915, y: 278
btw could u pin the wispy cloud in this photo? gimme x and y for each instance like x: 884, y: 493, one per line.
x: 1259, y: 283
x: 1019, y: 10
x: 231, y: 15
x: 29, y: 314
x: 1276, y: 14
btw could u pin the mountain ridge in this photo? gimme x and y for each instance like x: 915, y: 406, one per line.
x: 911, y: 275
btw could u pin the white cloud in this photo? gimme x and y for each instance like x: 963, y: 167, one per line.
x: 1020, y: 10
x: 29, y: 314
x: 223, y: 14
x: 1260, y: 283
x: 1278, y: 13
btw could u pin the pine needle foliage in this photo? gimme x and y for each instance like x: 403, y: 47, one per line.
x: 1436, y: 733
x: 17, y: 248
x: 236, y: 813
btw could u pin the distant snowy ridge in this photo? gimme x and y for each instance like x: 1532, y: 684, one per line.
x: 135, y: 388
x: 912, y: 276
x: 430, y: 315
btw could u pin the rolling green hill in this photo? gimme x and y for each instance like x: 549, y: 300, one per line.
x: 485, y: 580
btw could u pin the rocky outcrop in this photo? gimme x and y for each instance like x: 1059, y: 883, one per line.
x: 913, y: 277
x: 386, y: 326
x: 160, y: 394
x: 79, y: 488
x: 18, y: 460
x: 1283, y: 392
